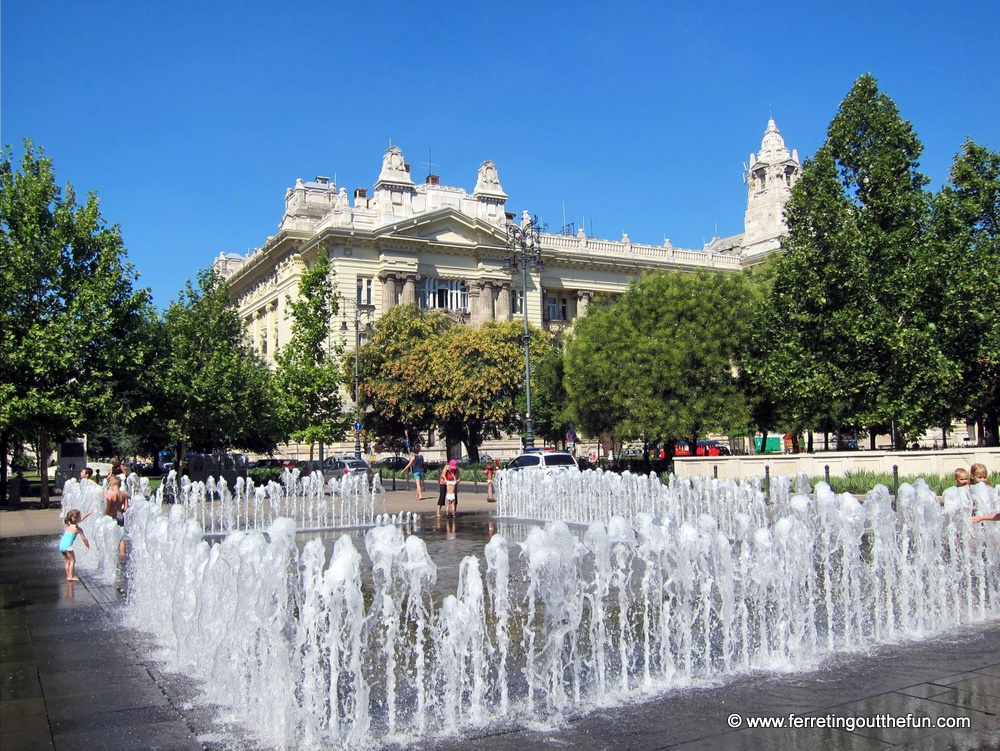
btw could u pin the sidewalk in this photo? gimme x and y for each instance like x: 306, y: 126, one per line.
x: 72, y: 678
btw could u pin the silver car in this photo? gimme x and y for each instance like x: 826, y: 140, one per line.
x: 341, y: 466
x: 548, y: 461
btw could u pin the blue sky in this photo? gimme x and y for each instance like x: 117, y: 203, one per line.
x: 190, y: 119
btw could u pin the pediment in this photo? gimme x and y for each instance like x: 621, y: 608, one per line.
x: 445, y: 228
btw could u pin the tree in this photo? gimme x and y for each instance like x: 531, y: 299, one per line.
x: 308, y: 374
x: 550, y: 407
x: 856, y: 327
x: 71, y: 313
x: 478, y: 376
x: 395, y: 382
x: 967, y: 284
x: 218, y: 392
x: 659, y: 364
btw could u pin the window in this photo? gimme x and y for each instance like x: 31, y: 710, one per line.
x: 444, y: 294
x: 556, y: 308
x: 365, y: 285
x: 517, y: 302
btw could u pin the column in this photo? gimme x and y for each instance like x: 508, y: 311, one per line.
x: 503, y: 301
x: 409, y: 289
x: 390, y: 290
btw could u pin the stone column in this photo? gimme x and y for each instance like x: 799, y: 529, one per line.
x: 503, y: 301
x: 583, y: 298
x: 409, y: 289
x: 272, y: 317
x: 476, y: 295
x: 390, y: 290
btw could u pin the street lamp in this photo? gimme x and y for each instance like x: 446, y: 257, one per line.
x: 360, y: 311
x: 525, y: 250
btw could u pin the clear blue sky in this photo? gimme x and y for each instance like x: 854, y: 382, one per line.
x: 190, y: 119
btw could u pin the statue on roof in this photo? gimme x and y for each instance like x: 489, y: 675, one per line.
x: 392, y: 160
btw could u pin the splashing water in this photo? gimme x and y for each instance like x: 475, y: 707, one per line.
x: 655, y: 586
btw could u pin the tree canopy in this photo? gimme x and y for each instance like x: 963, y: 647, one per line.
x: 850, y: 322
x: 218, y: 392
x: 309, y: 374
x: 72, y: 317
x: 658, y: 364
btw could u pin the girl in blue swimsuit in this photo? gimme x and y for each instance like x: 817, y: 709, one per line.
x: 72, y: 520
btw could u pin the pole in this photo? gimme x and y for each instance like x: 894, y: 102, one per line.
x: 529, y: 425
x: 357, y: 392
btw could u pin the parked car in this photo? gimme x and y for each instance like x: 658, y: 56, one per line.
x: 705, y: 448
x: 338, y: 467
x: 632, y: 452
x: 547, y: 461
x: 277, y: 463
x: 483, y: 459
x: 308, y: 466
x: 392, y: 462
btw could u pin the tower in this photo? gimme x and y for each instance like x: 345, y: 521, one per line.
x: 772, y: 173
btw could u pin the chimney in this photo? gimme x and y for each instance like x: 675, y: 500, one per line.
x: 322, y: 180
x: 433, y: 180
x: 361, y: 197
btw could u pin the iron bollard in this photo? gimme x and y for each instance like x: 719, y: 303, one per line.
x: 895, y: 480
x: 767, y: 481
x: 826, y: 473
x: 715, y: 471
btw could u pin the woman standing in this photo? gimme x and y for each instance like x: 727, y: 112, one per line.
x: 417, y: 464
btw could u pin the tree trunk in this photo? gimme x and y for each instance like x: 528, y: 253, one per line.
x: 4, y: 466
x: 43, y: 466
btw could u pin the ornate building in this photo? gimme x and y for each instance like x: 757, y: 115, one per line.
x: 445, y: 249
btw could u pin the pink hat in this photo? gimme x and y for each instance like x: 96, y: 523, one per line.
x: 453, y: 464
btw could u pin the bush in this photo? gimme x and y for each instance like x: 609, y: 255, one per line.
x: 264, y: 475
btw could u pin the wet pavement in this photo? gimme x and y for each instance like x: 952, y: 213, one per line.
x: 71, y: 677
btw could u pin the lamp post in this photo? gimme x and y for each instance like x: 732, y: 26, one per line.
x: 360, y: 311
x: 525, y: 250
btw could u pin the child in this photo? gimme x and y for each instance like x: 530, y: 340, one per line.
x: 116, y: 504
x: 961, y: 477
x: 451, y: 496
x: 978, y: 475
x: 490, y: 470
x: 72, y: 520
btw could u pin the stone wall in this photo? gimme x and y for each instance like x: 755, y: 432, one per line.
x: 932, y: 463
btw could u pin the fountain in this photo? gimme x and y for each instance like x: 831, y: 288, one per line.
x: 628, y: 587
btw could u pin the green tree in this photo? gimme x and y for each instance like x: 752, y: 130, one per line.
x: 396, y: 384
x: 966, y: 284
x: 218, y: 392
x: 309, y: 375
x: 70, y: 310
x: 855, y: 326
x: 659, y: 364
x: 549, y: 402
x: 478, y: 376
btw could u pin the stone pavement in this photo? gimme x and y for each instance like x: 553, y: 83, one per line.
x: 71, y: 677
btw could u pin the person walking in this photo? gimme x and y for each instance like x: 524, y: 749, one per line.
x: 416, y: 463
x: 72, y: 520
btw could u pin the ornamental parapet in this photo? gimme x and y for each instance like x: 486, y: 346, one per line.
x: 611, y: 249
